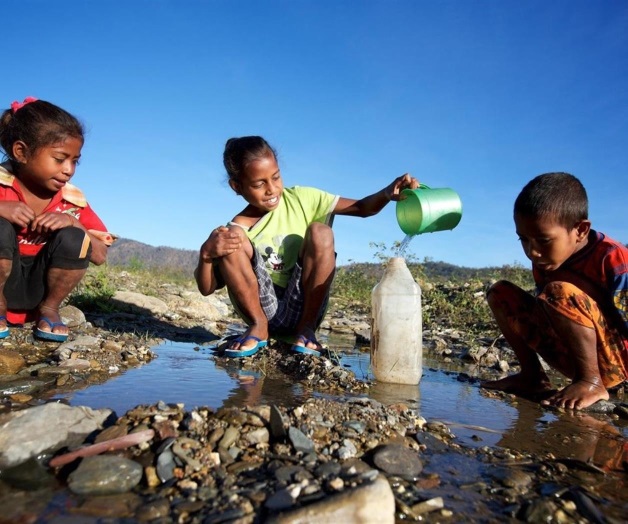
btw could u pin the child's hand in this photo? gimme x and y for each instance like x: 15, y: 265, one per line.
x: 393, y: 191
x: 17, y: 213
x: 49, y: 222
x: 222, y: 241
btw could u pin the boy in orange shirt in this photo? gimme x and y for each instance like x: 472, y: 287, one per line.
x: 578, y: 321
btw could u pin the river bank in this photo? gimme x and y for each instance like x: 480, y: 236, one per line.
x: 351, y: 459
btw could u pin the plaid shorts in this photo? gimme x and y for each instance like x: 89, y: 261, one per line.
x: 282, y: 306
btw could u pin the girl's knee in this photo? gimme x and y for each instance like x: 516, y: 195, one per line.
x: 70, y: 243
x: 8, y: 239
x: 245, y: 253
x: 320, y: 236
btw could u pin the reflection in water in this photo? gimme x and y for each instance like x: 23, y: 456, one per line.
x: 571, y: 435
x: 186, y: 373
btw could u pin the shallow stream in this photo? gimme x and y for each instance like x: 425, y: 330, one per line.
x: 186, y: 373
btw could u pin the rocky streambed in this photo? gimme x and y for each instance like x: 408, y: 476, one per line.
x: 348, y: 458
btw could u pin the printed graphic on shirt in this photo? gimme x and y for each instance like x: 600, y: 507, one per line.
x: 273, y: 254
x: 31, y: 238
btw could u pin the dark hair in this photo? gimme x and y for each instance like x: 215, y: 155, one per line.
x: 37, y: 124
x: 559, y: 195
x: 239, y: 152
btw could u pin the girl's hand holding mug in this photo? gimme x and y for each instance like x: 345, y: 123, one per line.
x: 406, y: 181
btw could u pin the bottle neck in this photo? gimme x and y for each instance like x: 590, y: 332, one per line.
x: 396, y: 262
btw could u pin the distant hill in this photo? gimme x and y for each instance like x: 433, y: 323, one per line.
x: 130, y: 253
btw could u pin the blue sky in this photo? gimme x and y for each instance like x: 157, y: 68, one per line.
x: 479, y: 96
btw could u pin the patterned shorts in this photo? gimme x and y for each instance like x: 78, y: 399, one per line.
x: 527, y: 317
x: 283, y: 306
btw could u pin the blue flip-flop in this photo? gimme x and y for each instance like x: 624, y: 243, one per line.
x: 49, y: 335
x: 237, y: 353
x: 304, y: 349
x: 4, y: 332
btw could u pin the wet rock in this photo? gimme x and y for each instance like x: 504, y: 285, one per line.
x: 105, y: 475
x: 166, y: 465
x: 367, y: 504
x: 30, y: 432
x: 281, y: 500
x: 347, y: 450
x: 153, y: 510
x: 277, y: 424
x: 601, y: 406
x: 229, y: 438
x: 427, y: 506
x: 396, y: 459
x: 27, y: 386
x: 11, y: 362
x: 109, y: 506
x: 300, y: 441
x: 512, y: 478
x: 621, y: 411
x: 257, y: 436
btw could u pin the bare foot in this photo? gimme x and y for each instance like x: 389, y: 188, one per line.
x: 255, y: 330
x: 54, y: 319
x: 578, y: 395
x: 519, y: 383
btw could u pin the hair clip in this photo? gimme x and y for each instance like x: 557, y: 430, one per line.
x: 16, y: 106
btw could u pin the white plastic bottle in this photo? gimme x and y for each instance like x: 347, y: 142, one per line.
x: 396, y: 326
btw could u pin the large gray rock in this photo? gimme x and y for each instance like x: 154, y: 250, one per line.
x: 367, y: 504
x: 205, y: 308
x: 138, y: 303
x: 30, y: 432
x: 105, y: 475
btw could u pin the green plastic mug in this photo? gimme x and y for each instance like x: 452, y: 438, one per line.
x: 426, y: 210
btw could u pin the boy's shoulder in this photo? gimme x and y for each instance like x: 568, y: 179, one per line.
x: 602, y: 251
x: 605, y: 243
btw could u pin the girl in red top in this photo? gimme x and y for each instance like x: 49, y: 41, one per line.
x: 48, y: 232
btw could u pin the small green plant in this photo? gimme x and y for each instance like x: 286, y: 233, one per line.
x: 353, y: 285
x: 135, y: 264
x: 95, y: 291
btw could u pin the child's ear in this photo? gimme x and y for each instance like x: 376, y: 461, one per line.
x: 235, y: 185
x: 20, y: 151
x: 583, y: 227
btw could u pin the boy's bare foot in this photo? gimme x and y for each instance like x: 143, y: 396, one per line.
x: 578, y: 395
x: 520, y: 383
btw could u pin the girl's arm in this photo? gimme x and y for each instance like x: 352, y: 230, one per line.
x: 222, y: 241
x: 373, y: 204
x: 99, y: 250
x: 204, y: 275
